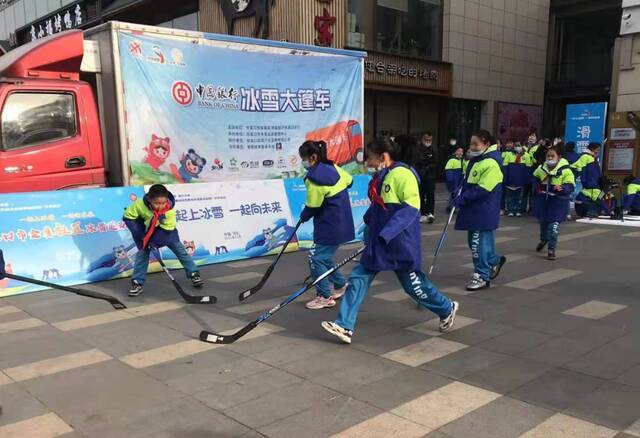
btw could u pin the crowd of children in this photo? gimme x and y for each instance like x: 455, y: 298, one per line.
x: 484, y: 180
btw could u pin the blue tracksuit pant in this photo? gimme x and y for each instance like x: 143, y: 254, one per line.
x: 549, y: 232
x: 141, y: 263
x: 320, y: 261
x: 415, y: 284
x: 483, y: 250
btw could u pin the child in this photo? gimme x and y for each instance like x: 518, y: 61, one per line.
x: 589, y: 202
x: 453, y: 173
x: 479, y: 205
x: 554, y: 184
x: 152, y: 222
x: 329, y: 205
x: 393, y: 242
x: 516, y: 167
x: 570, y: 152
x: 631, y: 201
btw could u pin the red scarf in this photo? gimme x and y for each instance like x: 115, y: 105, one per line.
x: 374, y: 195
x: 153, y: 224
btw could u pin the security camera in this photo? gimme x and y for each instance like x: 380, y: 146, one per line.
x: 626, y: 17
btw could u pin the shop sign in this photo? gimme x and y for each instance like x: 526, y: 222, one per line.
x: 405, y: 70
x: 70, y: 17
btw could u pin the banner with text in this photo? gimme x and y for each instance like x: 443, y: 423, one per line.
x: 78, y: 236
x: 584, y: 124
x: 200, y: 112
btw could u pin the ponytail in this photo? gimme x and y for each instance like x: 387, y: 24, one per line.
x: 318, y: 148
x: 380, y: 145
x: 485, y: 136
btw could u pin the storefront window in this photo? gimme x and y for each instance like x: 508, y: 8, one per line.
x: 402, y: 27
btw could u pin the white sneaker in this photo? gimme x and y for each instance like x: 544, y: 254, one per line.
x: 320, y: 302
x: 510, y: 215
x: 341, y: 333
x: 501, y: 212
x: 423, y: 219
x: 477, y: 283
x: 447, y: 323
x: 338, y: 293
x: 518, y: 214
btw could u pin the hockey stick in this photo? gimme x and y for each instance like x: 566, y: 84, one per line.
x: 442, y: 237
x: 214, y: 338
x: 253, y: 290
x: 117, y: 304
x: 191, y: 299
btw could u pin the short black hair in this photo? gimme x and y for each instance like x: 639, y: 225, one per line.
x: 593, y: 146
x: 570, y: 146
x: 157, y: 191
x: 485, y: 136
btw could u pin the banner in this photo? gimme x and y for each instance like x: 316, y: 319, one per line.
x: 516, y: 121
x: 297, y: 193
x: 78, y: 236
x: 584, y: 124
x: 229, y: 112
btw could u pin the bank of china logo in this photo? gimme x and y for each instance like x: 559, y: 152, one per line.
x: 182, y: 93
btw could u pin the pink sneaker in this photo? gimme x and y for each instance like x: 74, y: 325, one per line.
x: 338, y: 293
x: 320, y: 302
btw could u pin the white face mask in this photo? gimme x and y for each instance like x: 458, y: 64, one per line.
x: 306, y: 164
x: 551, y: 163
x: 453, y: 142
x: 427, y: 143
x: 475, y: 153
x: 518, y: 149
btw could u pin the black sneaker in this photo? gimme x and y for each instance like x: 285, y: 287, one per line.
x: 447, y: 323
x: 196, y: 280
x: 136, y: 289
x: 551, y: 254
x: 541, y: 245
x: 495, y: 271
x: 341, y: 333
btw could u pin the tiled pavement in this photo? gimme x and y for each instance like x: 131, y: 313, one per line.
x: 552, y: 350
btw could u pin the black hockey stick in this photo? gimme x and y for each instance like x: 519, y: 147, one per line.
x: 214, y: 338
x: 191, y: 299
x: 117, y: 304
x: 253, y: 290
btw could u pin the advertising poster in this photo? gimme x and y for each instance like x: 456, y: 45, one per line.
x: 67, y: 237
x: 585, y: 123
x: 516, y: 121
x: 297, y: 193
x: 208, y: 112
x: 620, y: 156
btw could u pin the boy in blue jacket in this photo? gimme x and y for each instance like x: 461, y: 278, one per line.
x: 453, y: 173
x: 393, y: 242
x: 152, y: 222
x: 554, y: 184
x: 590, y: 200
x: 516, y: 167
x: 329, y: 205
x: 631, y: 200
x: 479, y: 209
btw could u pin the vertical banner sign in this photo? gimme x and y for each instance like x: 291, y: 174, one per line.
x: 229, y: 112
x: 585, y: 123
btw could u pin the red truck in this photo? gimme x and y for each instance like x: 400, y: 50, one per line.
x: 345, y: 143
x: 62, y: 111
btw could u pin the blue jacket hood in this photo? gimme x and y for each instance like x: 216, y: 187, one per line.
x: 172, y: 201
x: 323, y: 174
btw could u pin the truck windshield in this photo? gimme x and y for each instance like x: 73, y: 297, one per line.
x: 29, y: 119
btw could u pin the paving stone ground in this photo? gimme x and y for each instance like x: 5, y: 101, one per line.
x: 551, y: 350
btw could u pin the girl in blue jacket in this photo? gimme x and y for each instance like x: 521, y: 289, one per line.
x: 590, y: 200
x: 479, y: 208
x: 393, y: 242
x: 516, y: 167
x: 555, y: 183
x: 329, y: 205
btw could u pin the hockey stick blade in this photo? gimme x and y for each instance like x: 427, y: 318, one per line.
x: 215, y: 338
x: 253, y: 290
x: 191, y: 299
x: 116, y: 303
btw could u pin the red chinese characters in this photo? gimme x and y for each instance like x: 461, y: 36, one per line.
x: 323, y: 24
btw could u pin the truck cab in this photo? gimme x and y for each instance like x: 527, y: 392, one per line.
x: 50, y: 136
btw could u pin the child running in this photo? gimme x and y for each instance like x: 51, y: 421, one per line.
x: 555, y: 183
x: 152, y: 222
x: 453, y: 173
x: 479, y: 209
x: 516, y: 167
x: 329, y: 205
x: 393, y: 242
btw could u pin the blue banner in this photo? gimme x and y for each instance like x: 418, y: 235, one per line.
x: 229, y: 112
x: 585, y: 123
